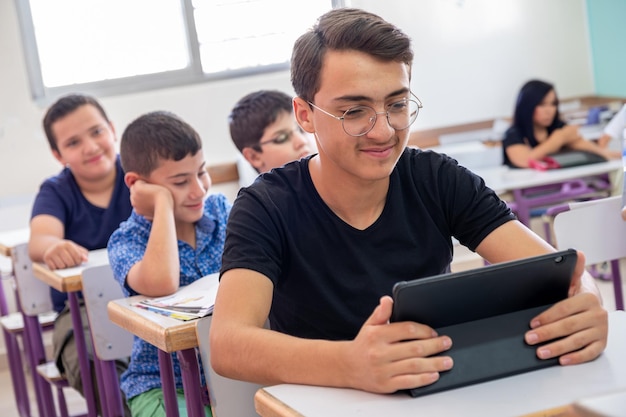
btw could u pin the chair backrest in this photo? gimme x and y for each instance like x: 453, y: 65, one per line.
x: 99, y: 287
x: 33, y: 293
x: 229, y: 397
x: 596, y: 228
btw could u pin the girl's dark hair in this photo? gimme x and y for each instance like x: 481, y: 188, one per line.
x: 530, y: 96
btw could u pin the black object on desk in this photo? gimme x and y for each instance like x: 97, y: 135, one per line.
x: 486, y: 312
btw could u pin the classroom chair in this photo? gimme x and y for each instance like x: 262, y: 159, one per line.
x: 12, y: 329
x: 110, y: 342
x: 596, y: 228
x: 34, y: 300
x: 229, y: 397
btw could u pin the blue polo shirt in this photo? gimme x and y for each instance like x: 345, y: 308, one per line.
x: 127, y: 247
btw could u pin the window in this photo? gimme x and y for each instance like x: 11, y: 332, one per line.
x: 106, y: 47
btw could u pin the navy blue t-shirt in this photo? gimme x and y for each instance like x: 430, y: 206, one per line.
x: 85, y: 224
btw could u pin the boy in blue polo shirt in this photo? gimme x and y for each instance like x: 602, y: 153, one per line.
x: 174, y: 236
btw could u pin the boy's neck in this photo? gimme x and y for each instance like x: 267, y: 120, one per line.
x: 187, y: 233
x: 98, y: 192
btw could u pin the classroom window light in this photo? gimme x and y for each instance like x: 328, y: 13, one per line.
x: 108, y: 47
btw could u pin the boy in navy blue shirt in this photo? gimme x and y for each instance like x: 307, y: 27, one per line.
x: 77, y: 210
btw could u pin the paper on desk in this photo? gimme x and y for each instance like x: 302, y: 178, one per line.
x: 189, y: 302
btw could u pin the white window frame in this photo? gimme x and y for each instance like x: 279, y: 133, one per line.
x: 44, y: 95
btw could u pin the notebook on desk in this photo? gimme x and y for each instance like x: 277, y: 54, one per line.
x: 486, y: 312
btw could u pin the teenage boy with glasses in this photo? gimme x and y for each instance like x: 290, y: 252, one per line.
x: 316, y: 246
x: 263, y: 128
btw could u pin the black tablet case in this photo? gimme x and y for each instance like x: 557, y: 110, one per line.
x: 572, y: 158
x: 486, y: 313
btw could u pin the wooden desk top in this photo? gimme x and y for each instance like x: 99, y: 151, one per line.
x: 551, y: 389
x: 12, y: 238
x: 69, y: 279
x: 166, y: 333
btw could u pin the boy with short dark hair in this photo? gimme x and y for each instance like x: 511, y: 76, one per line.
x: 174, y: 236
x: 263, y: 128
x: 77, y: 210
x: 316, y: 246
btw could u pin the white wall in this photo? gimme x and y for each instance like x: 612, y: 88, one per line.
x: 471, y: 57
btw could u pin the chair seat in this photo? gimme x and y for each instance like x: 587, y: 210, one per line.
x: 14, y: 322
x: 50, y: 373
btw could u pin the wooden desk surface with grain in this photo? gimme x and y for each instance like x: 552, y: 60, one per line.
x: 69, y: 279
x: 168, y: 334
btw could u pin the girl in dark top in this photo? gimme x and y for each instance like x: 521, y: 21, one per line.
x: 538, y: 130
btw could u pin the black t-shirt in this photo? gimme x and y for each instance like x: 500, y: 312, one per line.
x: 329, y: 276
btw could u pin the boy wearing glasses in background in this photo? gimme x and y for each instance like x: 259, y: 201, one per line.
x: 263, y: 128
x: 316, y: 246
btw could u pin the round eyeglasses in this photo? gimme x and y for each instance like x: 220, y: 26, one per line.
x: 359, y: 120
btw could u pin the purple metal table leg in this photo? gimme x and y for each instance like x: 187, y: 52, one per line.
x: 83, y: 360
x: 617, y: 285
x: 522, y: 208
x: 167, y: 384
x: 191, y: 382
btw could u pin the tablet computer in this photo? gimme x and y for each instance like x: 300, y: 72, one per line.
x: 486, y: 312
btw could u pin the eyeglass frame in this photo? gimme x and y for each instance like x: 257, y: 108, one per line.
x: 277, y: 141
x: 414, y: 99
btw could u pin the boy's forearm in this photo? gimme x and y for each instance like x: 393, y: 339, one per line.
x: 274, y: 358
x: 157, y: 274
x: 38, y: 244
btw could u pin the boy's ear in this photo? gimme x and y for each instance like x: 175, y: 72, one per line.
x: 254, y: 158
x: 130, y: 178
x: 58, y: 156
x: 304, y: 115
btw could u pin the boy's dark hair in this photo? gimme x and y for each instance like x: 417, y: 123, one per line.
x: 344, y: 29
x: 253, y: 113
x: 155, y: 136
x: 530, y: 96
x: 64, y: 106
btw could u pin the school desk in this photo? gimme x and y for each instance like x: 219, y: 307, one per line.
x: 12, y: 238
x: 552, y: 388
x: 68, y: 280
x: 168, y: 335
x: 504, y: 179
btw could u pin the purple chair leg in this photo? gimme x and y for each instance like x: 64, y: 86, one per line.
x: 17, y: 374
x: 36, y: 356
